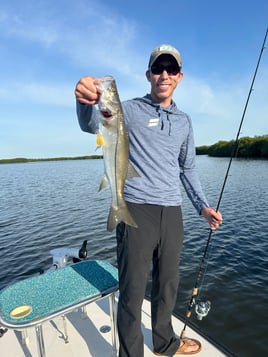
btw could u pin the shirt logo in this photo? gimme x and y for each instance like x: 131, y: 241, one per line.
x: 153, y: 122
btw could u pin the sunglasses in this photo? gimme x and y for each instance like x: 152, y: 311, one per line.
x: 171, y: 69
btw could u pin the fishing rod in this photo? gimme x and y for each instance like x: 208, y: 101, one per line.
x: 203, y: 308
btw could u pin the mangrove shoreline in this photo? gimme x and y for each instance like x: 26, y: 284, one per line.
x: 248, y: 148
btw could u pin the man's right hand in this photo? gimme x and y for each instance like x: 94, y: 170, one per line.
x: 86, y: 91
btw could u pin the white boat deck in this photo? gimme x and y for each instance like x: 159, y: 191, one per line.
x: 85, y: 338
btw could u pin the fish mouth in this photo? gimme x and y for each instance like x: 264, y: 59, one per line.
x: 106, y: 114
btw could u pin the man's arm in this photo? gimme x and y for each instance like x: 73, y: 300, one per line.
x: 88, y: 117
x: 192, y: 185
x: 87, y: 95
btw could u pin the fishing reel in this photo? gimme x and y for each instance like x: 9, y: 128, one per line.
x: 202, y: 309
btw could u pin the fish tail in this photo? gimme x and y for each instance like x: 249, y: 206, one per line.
x: 117, y: 215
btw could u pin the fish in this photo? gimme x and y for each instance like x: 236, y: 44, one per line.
x: 113, y: 138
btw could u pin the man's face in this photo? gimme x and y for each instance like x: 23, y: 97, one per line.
x: 164, y: 82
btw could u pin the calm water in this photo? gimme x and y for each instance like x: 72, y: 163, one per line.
x: 45, y: 205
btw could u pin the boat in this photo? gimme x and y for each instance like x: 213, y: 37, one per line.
x: 82, y: 327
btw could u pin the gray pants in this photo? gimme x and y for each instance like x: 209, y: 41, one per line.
x: 158, y: 239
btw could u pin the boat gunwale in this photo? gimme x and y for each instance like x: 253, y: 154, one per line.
x: 221, y: 347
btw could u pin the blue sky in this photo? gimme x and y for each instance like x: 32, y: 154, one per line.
x: 46, y: 46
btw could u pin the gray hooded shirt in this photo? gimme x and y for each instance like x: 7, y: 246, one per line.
x: 161, y: 148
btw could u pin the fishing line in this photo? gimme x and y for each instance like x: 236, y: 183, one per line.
x: 202, y: 268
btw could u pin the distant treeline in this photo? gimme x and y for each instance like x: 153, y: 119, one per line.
x: 22, y: 159
x: 256, y: 147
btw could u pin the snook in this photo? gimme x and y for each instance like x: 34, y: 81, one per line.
x: 113, y: 138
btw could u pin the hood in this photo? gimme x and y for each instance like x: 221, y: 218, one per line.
x: 165, y: 114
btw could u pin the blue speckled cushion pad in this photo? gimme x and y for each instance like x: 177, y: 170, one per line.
x: 57, y: 290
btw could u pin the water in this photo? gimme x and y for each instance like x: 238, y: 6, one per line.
x: 45, y: 205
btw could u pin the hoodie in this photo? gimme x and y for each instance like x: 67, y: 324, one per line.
x: 161, y: 148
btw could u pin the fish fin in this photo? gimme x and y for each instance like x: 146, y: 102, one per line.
x: 132, y: 172
x: 119, y: 215
x: 104, y: 183
x: 99, y: 139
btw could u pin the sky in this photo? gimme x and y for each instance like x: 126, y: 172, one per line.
x: 47, y: 46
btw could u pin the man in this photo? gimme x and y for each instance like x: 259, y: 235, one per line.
x: 162, y: 150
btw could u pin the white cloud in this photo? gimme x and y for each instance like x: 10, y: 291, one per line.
x: 39, y: 93
x: 25, y: 26
x: 90, y: 34
x: 216, y: 108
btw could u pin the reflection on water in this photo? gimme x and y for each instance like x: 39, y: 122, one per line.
x: 45, y: 205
